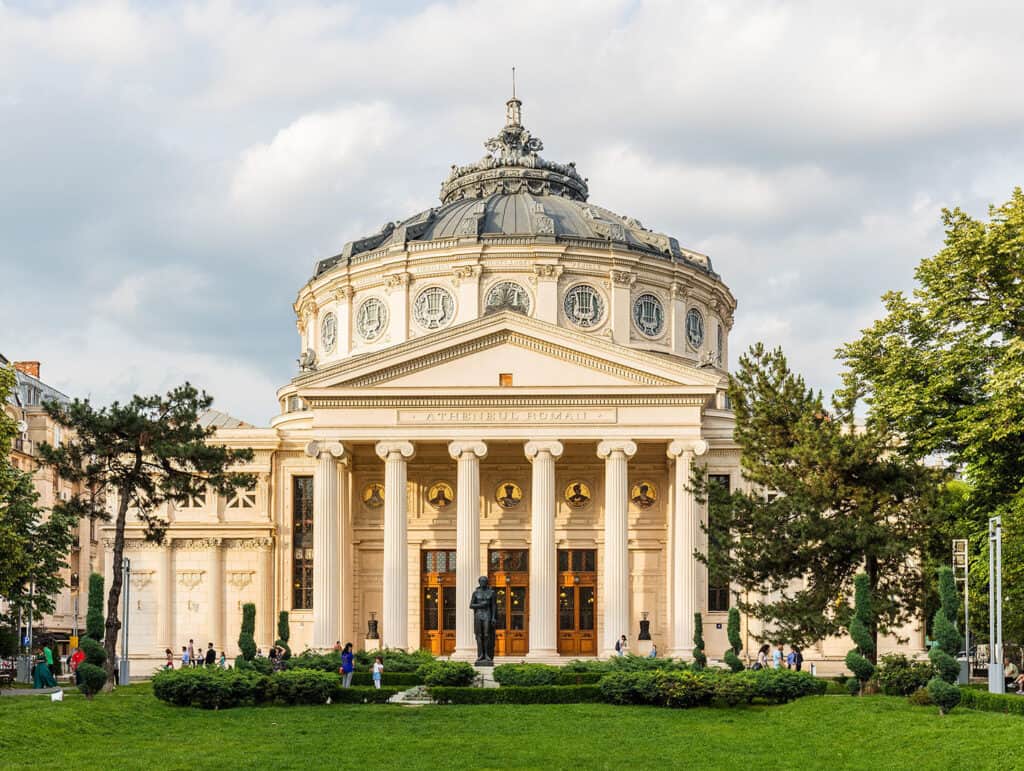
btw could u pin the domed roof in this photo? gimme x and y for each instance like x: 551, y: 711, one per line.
x: 512, y: 191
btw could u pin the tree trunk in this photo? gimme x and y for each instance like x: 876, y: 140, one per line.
x: 113, y: 624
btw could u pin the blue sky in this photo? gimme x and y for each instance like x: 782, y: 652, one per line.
x: 170, y: 173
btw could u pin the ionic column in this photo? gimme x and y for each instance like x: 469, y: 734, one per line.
x: 216, y: 573
x: 467, y: 540
x: 616, y: 454
x: 685, y: 535
x: 543, y: 558
x: 165, y: 629
x: 266, y: 618
x: 395, y: 455
x: 327, y: 552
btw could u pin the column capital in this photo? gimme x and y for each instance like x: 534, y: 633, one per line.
x: 552, y: 448
x: 385, y: 450
x: 609, y: 446
x: 317, y: 447
x: 677, y: 447
x: 475, y: 446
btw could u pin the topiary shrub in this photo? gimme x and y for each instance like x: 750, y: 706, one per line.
x: 94, y: 621
x: 246, y: 640
x: 91, y: 678
x: 283, y: 633
x: 95, y: 653
x: 732, y: 653
x: 920, y: 698
x: 302, y: 686
x: 899, y: 676
x: 859, y: 659
x: 853, y: 686
x: 453, y: 673
x: 210, y: 688
x: 526, y: 674
x: 700, y: 659
x: 945, y: 695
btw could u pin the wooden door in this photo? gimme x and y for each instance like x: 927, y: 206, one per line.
x: 437, y: 598
x: 509, y: 574
x: 577, y: 602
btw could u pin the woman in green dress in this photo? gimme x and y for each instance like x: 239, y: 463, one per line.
x: 42, y: 677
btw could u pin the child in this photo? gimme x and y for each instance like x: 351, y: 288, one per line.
x: 378, y: 669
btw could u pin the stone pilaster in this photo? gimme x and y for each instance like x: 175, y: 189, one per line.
x: 543, y: 557
x: 616, y: 454
x: 327, y: 551
x: 685, y: 534
x: 395, y: 455
x: 467, y: 540
x: 165, y: 621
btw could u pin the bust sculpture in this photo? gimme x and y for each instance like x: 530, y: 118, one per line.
x: 484, y: 605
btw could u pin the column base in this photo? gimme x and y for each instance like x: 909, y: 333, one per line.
x: 541, y: 653
x: 464, y: 654
x: 681, y: 653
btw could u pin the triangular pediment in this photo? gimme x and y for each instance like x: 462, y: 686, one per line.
x: 535, y: 353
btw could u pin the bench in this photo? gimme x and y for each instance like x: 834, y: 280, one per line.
x: 6, y: 677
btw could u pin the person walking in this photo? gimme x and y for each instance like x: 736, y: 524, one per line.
x: 211, y: 655
x: 378, y: 672
x: 762, y: 657
x: 42, y: 677
x: 192, y: 653
x: 798, y: 658
x: 77, y: 657
x: 654, y: 652
x: 168, y: 658
x: 777, y: 657
x: 347, y: 666
x: 223, y: 660
x: 186, y: 660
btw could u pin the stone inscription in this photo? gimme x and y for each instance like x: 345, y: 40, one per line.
x: 553, y: 416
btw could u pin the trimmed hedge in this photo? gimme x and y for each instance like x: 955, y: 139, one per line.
x: 394, y: 660
x: 302, y: 686
x: 691, y: 689
x: 451, y: 673
x: 992, y: 702
x: 628, y: 663
x: 364, y: 695
x: 526, y: 674
x: 513, y: 694
x: 578, y: 678
x: 404, y: 679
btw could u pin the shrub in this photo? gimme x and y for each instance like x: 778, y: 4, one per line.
x: 453, y: 673
x: 261, y: 665
x: 513, y: 694
x: 946, y: 695
x: 284, y: 631
x: 733, y: 661
x: 324, y: 662
x: 733, y: 631
x: 94, y: 651
x: 302, y: 686
x: 404, y: 679
x: 853, y: 686
x: 991, y: 702
x: 94, y: 622
x: 91, y: 678
x: 734, y: 690
x: 832, y: 688
x: 394, y: 660
x: 899, y: 676
x: 246, y: 641
x: 526, y: 674
x: 209, y: 688
x: 684, y: 689
x: 700, y: 659
x: 858, y: 659
x: 945, y: 632
x: 630, y: 688
x: 782, y: 685
x: 369, y: 695
x: 627, y: 663
x: 920, y: 698
x: 577, y: 678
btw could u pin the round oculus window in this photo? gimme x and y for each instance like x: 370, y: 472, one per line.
x: 434, y: 308
x: 507, y: 296
x: 329, y: 332
x: 583, y: 306
x: 649, y: 315
x: 694, y: 328
x: 371, y: 319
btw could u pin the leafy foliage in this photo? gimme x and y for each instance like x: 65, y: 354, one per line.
x: 142, y: 453
x: 302, y: 686
x: 899, y: 676
x: 944, y: 694
x: 841, y: 502
x: 943, y: 369
x: 91, y: 678
x: 526, y: 674
x: 689, y: 689
x: 94, y: 614
x: 992, y: 702
x: 731, y: 657
x: 944, y: 630
x: 455, y: 673
x: 395, y: 660
x: 94, y: 651
x: 859, y: 659
x: 246, y: 640
x: 700, y: 659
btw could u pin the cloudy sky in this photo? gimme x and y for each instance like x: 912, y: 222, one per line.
x: 170, y: 173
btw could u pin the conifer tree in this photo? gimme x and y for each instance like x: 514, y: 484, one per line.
x: 861, y: 659
x: 700, y: 659
x: 732, y: 657
x: 945, y: 631
x: 94, y: 614
x: 283, y: 633
x: 246, y: 639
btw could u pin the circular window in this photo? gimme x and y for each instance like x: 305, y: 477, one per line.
x: 649, y: 315
x: 694, y: 328
x: 584, y: 306
x: 434, y: 308
x: 371, y: 319
x: 507, y: 296
x: 329, y: 332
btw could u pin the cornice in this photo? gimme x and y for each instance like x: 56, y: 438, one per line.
x: 660, y: 400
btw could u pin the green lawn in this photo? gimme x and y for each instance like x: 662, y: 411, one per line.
x: 131, y: 729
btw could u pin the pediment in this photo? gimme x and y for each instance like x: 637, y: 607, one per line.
x: 535, y: 353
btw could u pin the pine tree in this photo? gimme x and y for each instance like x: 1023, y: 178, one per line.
x: 700, y: 659
x: 246, y: 639
x: 945, y: 631
x: 861, y: 659
x: 94, y: 614
x: 142, y: 454
x: 732, y: 657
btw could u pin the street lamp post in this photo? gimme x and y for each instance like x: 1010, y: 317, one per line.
x: 996, y: 683
x: 123, y: 672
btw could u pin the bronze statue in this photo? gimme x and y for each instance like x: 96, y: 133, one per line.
x: 485, y: 616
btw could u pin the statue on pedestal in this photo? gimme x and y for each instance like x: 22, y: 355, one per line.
x: 484, y: 605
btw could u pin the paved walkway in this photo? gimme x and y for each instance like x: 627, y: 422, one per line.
x: 28, y: 691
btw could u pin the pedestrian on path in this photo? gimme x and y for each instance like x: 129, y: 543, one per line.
x: 347, y: 666
x: 211, y: 655
x: 378, y: 672
x: 186, y: 660
x: 42, y: 677
x: 777, y: 657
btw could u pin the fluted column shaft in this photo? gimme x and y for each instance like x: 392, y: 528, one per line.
x: 616, y: 455
x: 165, y: 633
x: 266, y: 617
x: 685, y: 530
x: 327, y: 553
x: 216, y: 572
x: 543, y: 558
x: 395, y: 455
x: 467, y: 540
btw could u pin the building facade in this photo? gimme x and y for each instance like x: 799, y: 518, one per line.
x: 515, y: 384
